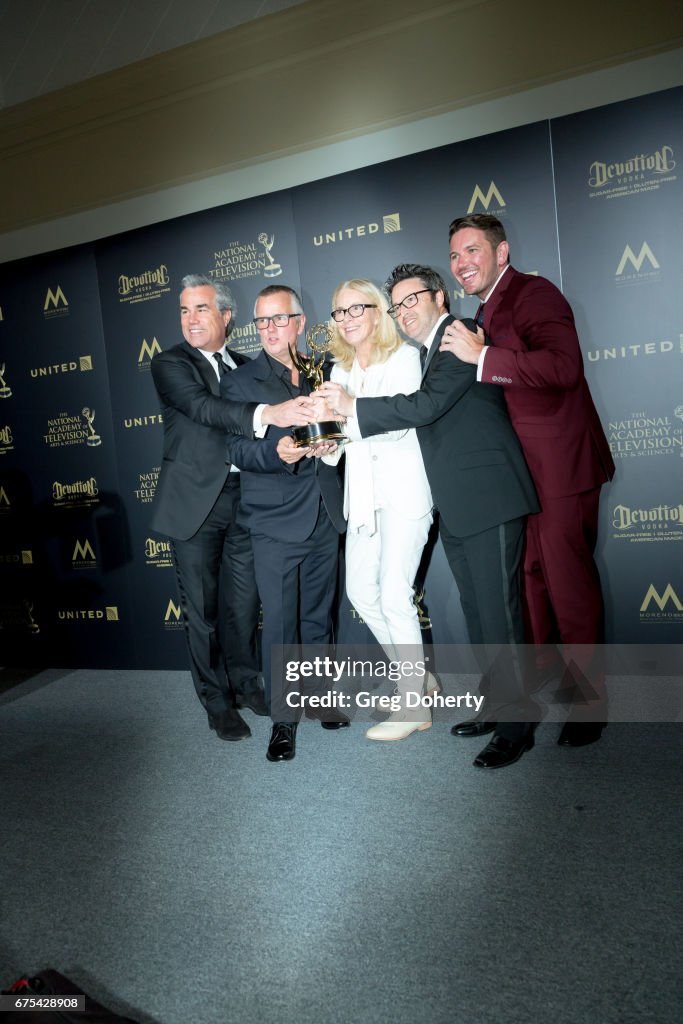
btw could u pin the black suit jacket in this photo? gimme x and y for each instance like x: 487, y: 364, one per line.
x: 278, y: 500
x: 196, y: 419
x: 472, y: 457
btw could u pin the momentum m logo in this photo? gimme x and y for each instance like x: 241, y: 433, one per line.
x: 54, y: 299
x: 83, y: 551
x: 485, y: 200
x: 148, y: 350
x: 661, y: 600
x: 628, y: 256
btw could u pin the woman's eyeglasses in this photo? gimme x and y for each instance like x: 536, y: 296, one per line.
x: 355, y: 310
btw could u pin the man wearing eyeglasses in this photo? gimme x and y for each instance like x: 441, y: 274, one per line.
x: 479, y: 481
x: 196, y: 502
x: 292, y: 507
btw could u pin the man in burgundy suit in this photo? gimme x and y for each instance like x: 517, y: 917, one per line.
x: 534, y: 355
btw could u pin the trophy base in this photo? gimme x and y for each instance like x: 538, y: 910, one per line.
x: 314, y: 434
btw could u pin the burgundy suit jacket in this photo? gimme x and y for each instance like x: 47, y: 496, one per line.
x: 536, y: 358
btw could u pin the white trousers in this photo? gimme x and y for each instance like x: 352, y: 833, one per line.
x: 380, y: 572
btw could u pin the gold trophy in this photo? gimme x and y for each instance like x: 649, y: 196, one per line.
x: 5, y: 389
x: 273, y: 269
x: 311, y: 367
x: 93, y: 439
x: 31, y: 623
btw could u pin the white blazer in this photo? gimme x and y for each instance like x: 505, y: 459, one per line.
x: 385, y: 470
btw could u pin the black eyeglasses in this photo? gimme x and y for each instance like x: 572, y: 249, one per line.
x: 355, y: 310
x: 410, y: 300
x: 280, y: 320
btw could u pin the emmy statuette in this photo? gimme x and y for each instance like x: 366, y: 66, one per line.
x: 311, y: 367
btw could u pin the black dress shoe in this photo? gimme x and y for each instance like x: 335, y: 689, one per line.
x: 501, y: 751
x: 229, y: 725
x: 473, y: 727
x: 580, y: 734
x: 282, y: 746
x: 254, y: 699
x: 329, y: 718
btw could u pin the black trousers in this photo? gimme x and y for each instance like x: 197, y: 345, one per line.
x: 487, y: 569
x: 297, y: 582
x: 220, y: 603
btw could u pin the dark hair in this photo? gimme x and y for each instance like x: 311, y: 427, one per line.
x: 275, y: 289
x: 491, y: 226
x: 430, y: 279
x: 224, y: 298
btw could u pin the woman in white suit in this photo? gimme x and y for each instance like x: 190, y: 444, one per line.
x: 387, y: 500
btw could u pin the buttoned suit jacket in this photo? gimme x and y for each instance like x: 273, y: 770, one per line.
x: 535, y: 359
x: 196, y: 419
x: 278, y: 500
x: 474, y: 462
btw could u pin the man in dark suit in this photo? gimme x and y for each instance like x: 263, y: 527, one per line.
x: 479, y: 480
x: 534, y: 359
x: 292, y: 507
x: 196, y: 504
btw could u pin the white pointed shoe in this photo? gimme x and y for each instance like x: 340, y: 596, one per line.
x: 396, y: 730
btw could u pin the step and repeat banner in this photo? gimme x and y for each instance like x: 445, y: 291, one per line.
x: 592, y: 201
x: 620, y: 214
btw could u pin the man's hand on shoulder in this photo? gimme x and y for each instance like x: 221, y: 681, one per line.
x: 461, y: 342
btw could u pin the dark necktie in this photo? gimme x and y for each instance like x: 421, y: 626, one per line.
x: 423, y: 356
x: 479, y: 318
x: 223, y: 367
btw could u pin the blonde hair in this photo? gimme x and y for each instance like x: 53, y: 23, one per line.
x: 386, y: 338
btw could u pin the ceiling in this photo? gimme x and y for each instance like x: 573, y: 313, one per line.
x: 48, y: 44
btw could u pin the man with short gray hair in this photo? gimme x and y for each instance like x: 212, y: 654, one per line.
x: 197, y: 499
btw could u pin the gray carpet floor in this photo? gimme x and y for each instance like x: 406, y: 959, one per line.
x: 182, y: 879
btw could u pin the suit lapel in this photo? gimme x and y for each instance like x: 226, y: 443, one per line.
x: 205, y: 371
x: 262, y: 368
x: 238, y: 357
x: 498, y: 297
x: 435, y: 344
